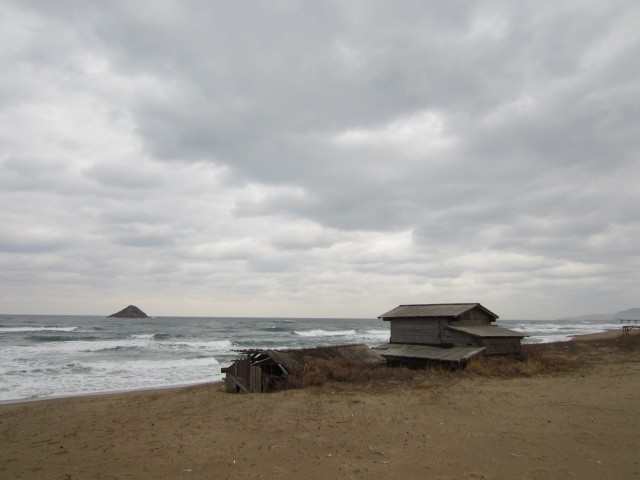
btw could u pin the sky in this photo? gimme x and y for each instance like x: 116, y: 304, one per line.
x: 319, y: 159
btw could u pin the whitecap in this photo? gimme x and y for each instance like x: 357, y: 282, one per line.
x: 37, y: 329
x: 325, y: 333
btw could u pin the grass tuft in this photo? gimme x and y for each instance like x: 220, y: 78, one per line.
x: 318, y: 372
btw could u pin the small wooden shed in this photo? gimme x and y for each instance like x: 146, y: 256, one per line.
x: 451, y: 325
x: 265, y: 370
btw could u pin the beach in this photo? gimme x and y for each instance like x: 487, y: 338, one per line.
x: 581, y: 423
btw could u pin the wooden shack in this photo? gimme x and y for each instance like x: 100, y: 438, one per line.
x: 266, y: 370
x: 450, y: 325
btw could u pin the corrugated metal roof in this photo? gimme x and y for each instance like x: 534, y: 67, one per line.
x: 424, y: 352
x: 296, y: 358
x: 434, y: 310
x: 486, y: 331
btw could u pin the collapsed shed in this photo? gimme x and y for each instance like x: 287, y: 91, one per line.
x: 265, y: 370
x: 446, y: 333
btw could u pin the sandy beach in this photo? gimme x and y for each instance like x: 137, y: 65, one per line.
x: 581, y: 423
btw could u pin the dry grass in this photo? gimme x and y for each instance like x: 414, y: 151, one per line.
x: 532, y: 363
x: 318, y: 372
x: 353, y: 376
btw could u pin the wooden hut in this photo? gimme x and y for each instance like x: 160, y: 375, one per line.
x: 265, y: 370
x: 466, y: 327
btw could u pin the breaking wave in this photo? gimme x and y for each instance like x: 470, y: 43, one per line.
x: 37, y: 329
x: 325, y: 333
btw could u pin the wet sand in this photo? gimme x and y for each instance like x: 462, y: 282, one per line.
x: 583, y: 424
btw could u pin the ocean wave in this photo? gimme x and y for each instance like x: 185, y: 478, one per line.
x: 37, y: 329
x: 56, y: 338
x: 559, y: 333
x: 82, y: 377
x: 162, y: 336
x: 207, y: 345
x: 143, y: 367
x: 142, y: 345
x: 325, y: 333
x: 153, y: 336
x: 375, y: 334
x: 546, y: 339
x: 275, y: 329
x: 157, y: 336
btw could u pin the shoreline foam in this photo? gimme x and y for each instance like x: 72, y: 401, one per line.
x: 90, y: 395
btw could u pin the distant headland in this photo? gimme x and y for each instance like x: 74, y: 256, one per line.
x: 130, y: 312
x: 630, y: 313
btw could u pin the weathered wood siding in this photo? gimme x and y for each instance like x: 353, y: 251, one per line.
x: 432, y: 331
x: 237, y: 379
x: 255, y: 379
x: 244, y: 377
x: 501, y: 346
x: 459, y: 339
x: 475, y: 317
x: 419, y: 331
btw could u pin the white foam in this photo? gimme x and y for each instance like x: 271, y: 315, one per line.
x: 325, y: 333
x: 547, y: 332
x: 374, y: 335
x: 83, y: 346
x: 37, y: 329
x: 210, y: 345
x: 91, y: 375
x: 140, y: 366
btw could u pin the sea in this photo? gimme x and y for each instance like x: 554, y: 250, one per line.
x: 44, y: 356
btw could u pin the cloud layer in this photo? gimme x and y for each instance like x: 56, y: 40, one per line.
x: 318, y: 158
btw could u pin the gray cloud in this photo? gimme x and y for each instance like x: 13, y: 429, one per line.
x: 313, y: 157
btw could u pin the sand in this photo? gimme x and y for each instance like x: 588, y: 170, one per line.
x: 580, y: 424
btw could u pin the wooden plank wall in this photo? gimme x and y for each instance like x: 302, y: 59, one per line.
x: 255, y: 379
x: 460, y: 339
x: 243, y: 377
x: 497, y: 346
x: 475, y: 317
x: 238, y: 373
x: 404, y: 330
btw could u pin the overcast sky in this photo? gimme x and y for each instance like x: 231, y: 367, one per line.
x: 290, y: 158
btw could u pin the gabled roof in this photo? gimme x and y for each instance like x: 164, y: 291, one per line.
x: 486, y: 331
x: 434, y: 310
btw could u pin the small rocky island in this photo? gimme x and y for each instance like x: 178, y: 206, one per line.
x: 130, y: 312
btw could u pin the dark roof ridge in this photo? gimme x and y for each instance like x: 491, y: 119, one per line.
x: 445, y: 303
x: 420, y: 310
